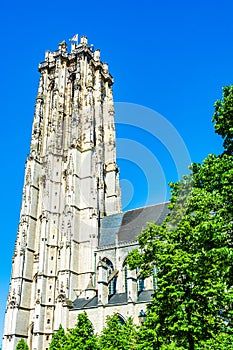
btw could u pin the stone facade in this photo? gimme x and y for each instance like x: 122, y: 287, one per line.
x: 72, y: 238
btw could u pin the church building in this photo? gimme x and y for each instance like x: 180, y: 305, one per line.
x: 73, y: 238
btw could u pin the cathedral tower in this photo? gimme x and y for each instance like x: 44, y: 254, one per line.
x: 71, y: 181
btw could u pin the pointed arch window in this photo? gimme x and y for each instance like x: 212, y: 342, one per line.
x: 125, y: 275
x: 113, y: 281
x: 140, y: 281
x: 121, y: 319
x: 155, y: 272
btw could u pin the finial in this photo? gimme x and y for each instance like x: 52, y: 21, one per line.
x: 62, y: 46
x: 105, y: 67
x: 97, y: 55
x: 83, y: 40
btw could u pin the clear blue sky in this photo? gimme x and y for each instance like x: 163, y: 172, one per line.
x: 171, y: 56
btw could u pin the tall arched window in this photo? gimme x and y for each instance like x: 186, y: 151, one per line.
x: 125, y: 275
x: 140, y: 284
x: 140, y: 281
x: 155, y: 271
x: 112, y: 283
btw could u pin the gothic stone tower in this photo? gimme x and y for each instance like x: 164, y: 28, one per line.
x: 71, y: 181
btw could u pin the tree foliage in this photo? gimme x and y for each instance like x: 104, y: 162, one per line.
x: 192, y: 307
x: 82, y: 337
x: 59, y: 339
x: 223, y: 118
x: 116, y: 336
x: 22, y: 345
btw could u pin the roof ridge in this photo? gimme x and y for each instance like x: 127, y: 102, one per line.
x: 147, y: 206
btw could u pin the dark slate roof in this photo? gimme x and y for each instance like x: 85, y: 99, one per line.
x: 81, y: 303
x: 145, y: 295
x: 115, y: 299
x: 92, y: 302
x: 129, y: 224
x: 109, y: 226
x: 118, y: 299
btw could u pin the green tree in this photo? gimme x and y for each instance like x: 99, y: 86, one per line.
x: 223, y: 118
x: 82, y: 337
x: 59, y: 339
x: 22, y: 345
x: 193, y: 254
x: 116, y: 336
x: 222, y: 342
